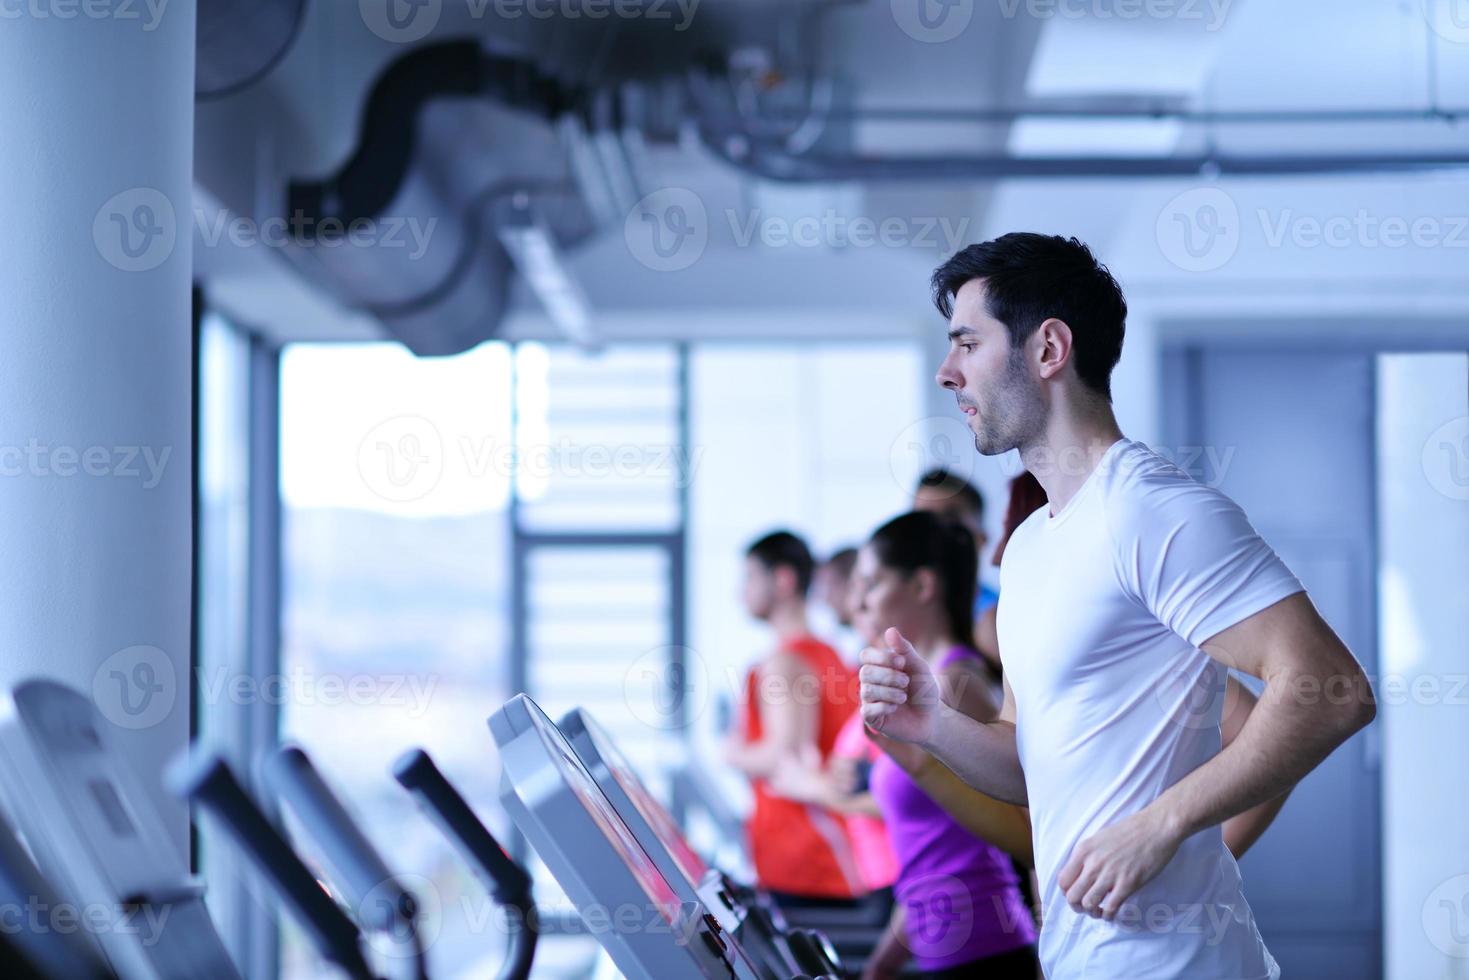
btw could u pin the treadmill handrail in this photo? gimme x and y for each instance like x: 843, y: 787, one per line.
x: 205, y: 777
x: 351, y: 856
x: 416, y: 772
x: 507, y: 882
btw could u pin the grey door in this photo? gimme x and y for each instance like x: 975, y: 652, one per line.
x: 1288, y: 434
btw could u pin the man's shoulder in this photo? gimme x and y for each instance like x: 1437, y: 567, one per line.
x: 1135, y: 467
x: 810, y: 650
x: 807, y: 642
x: 1139, y: 485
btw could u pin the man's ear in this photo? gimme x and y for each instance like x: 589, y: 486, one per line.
x: 1054, y: 347
x: 784, y: 577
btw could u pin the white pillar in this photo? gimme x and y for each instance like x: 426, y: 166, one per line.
x: 1423, y: 507
x: 96, y: 148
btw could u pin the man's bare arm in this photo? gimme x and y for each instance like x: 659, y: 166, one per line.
x: 1008, y: 826
x: 1004, y: 825
x: 983, y: 754
x: 1243, y: 829
x: 1316, y: 696
x: 788, y: 718
x: 902, y: 699
x: 987, y: 636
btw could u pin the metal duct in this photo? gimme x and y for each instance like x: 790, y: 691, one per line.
x: 447, y: 130
x: 239, y: 41
x: 371, y: 178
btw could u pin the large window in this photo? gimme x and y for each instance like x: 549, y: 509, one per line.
x: 396, y: 557
x: 814, y: 438
x: 455, y: 530
x: 525, y: 517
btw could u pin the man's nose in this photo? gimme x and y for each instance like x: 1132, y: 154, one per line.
x: 947, y: 376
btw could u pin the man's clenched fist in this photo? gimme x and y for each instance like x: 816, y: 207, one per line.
x: 900, y: 694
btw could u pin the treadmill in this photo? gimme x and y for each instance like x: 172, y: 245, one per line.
x: 507, y: 882
x: 29, y: 953
x: 386, y: 910
x: 96, y: 836
x: 382, y: 906
x: 628, y: 904
x: 853, y: 931
x: 205, y: 778
x: 755, y: 922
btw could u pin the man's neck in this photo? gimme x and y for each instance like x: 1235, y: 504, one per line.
x: 790, y: 621
x: 1069, y: 450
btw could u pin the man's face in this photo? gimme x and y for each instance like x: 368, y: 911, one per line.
x: 992, y: 382
x: 835, y: 590
x: 759, y: 589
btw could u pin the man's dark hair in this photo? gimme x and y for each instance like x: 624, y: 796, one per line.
x: 953, y: 485
x: 782, y: 549
x: 842, y: 561
x: 1029, y: 278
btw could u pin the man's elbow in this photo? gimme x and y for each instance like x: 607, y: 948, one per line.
x: 1366, y: 708
x: 1358, y: 708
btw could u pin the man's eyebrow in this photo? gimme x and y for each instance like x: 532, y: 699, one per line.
x: 958, y: 332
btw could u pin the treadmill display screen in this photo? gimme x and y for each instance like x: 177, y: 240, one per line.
x: 653, y: 811
x: 657, y: 888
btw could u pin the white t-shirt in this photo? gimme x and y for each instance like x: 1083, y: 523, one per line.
x: 1103, y: 608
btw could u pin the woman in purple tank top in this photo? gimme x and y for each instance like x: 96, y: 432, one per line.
x: 959, y: 910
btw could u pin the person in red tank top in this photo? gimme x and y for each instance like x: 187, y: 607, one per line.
x: 796, y: 700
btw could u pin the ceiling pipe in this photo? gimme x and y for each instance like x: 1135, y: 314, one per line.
x: 773, y: 163
x: 1107, y: 107
x: 753, y: 145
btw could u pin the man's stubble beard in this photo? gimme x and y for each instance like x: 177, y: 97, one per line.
x: 1016, y: 415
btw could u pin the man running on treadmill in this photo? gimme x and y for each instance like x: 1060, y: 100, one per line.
x: 1123, y: 605
x: 796, y: 700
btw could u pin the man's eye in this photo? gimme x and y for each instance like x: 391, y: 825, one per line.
x: 967, y: 348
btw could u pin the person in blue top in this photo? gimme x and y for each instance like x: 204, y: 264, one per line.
x: 948, y: 494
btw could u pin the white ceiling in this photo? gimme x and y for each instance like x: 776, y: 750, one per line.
x: 1245, y: 54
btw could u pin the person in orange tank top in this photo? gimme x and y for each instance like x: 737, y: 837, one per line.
x: 796, y: 700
